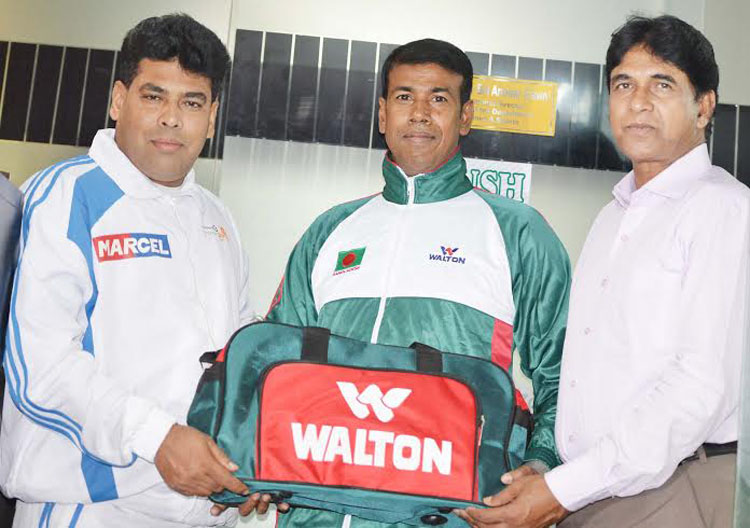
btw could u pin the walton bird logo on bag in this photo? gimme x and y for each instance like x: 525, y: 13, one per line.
x: 382, y: 404
x: 396, y: 431
x: 131, y: 245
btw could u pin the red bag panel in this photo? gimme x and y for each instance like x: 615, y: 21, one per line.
x: 405, y: 432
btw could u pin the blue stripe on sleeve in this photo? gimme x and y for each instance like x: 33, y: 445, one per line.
x: 94, y: 193
x: 46, y: 512
x: 18, y: 390
x: 76, y: 515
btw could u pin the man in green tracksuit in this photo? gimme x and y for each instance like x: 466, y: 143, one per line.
x: 430, y: 259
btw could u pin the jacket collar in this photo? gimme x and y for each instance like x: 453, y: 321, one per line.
x: 445, y: 182
x: 673, y: 182
x: 105, y: 152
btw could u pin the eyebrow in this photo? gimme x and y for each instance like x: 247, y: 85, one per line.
x: 664, y: 77
x: 658, y: 76
x: 151, y: 87
x: 197, y: 95
x: 437, y: 89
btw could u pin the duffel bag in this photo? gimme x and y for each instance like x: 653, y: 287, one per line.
x: 380, y: 432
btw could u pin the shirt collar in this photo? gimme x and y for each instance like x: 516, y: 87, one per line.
x: 107, y: 154
x: 446, y: 181
x: 673, y: 182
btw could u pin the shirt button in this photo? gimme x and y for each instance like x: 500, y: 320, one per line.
x: 624, y: 238
x: 605, y: 282
x: 573, y: 384
x: 571, y: 438
x: 586, y: 331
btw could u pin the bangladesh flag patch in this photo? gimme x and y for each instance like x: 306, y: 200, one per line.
x: 349, y: 260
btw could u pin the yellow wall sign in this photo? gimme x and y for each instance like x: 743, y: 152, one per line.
x: 514, y: 105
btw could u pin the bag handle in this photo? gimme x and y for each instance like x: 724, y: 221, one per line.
x: 428, y: 359
x: 208, y: 359
x: 315, y: 344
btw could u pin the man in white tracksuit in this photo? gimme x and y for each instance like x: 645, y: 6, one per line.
x: 128, y: 272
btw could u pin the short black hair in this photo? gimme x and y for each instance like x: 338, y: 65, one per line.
x: 176, y: 36
x: 431, y: 51
x: 674, y: 41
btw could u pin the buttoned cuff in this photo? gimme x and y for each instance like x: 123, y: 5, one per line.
x: 579, y: 482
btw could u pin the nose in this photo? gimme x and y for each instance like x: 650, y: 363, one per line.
x: 171, y: 116
x: 640, y: 101
x: 420, y: 111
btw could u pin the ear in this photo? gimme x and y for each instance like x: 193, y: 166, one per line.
x: 706, y: 107
x: 467, y: 116
x: 212, y: 119
x: 381, y: 115
x: 119, y: 93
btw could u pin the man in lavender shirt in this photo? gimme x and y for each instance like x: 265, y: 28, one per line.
x: 648, y: 408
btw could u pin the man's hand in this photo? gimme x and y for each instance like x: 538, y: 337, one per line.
x: 192, y: 464
x: 527, y: 502
x: 511, y: 476
x: 256, y: 501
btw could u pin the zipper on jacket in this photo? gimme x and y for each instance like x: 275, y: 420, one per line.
x: 409, y: 190
x: 384, y: 295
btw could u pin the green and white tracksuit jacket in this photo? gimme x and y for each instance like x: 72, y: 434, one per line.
x: 435, y: 261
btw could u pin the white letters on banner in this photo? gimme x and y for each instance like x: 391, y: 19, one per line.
x: 505, y: 178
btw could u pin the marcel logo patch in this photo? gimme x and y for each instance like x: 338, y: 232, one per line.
x: 349, y: 260
x: 448, y: 254
x: 131, y: 245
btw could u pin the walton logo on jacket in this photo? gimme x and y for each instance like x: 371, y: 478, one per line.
x: 131, y: 245
x: 448, y: 254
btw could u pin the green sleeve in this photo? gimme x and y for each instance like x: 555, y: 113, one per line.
x: 294, y: 302
x: 540, y: 289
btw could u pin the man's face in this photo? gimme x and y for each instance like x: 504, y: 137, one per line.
x: 422, y: 118
x: 654, y: 115
x: 163, y: 119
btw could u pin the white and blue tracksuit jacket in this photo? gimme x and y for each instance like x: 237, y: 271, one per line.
x: 121, y: 285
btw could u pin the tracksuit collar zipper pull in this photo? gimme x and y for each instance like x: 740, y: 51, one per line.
x: 445, y: 182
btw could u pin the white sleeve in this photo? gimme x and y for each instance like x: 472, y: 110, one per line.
x: 52, y: 376
x: 698, y: 391
x: 247, y: 314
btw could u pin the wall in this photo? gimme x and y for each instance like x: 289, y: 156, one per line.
x: 726, y: 26
x: 98, y: 24
x: 577, y: 30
